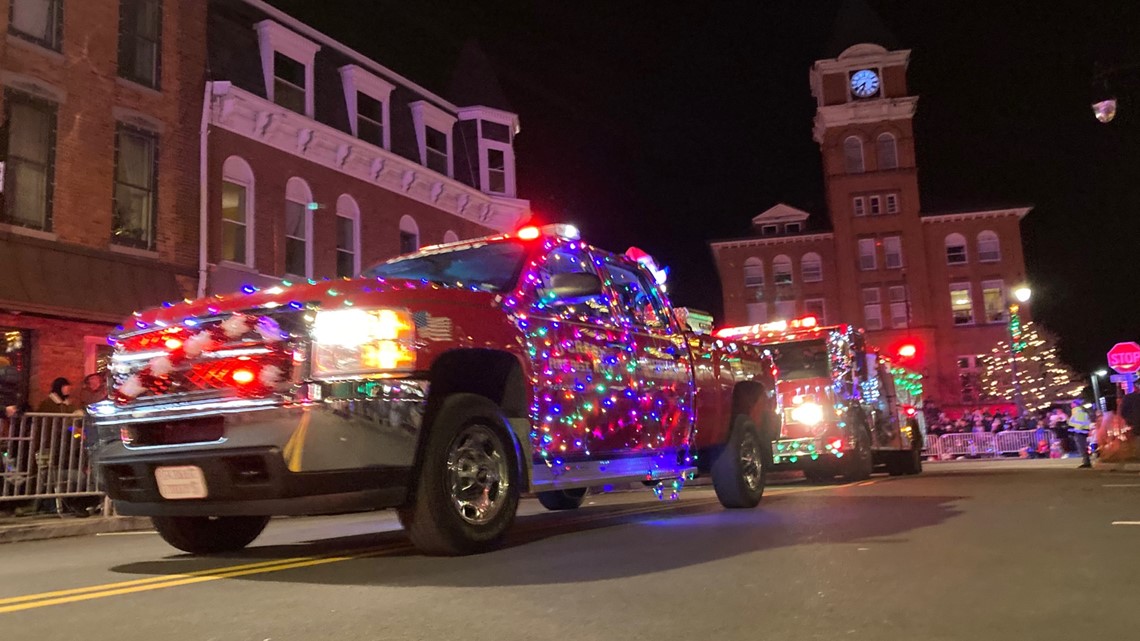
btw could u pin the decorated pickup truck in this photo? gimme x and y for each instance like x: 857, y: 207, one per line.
x: 443, y: 383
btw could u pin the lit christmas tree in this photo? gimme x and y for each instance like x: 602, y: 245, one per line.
x: 1043, y: 377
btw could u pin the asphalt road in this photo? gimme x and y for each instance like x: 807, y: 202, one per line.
x: 1017, y: 550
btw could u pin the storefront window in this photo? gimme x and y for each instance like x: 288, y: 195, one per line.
x: 15, y: 348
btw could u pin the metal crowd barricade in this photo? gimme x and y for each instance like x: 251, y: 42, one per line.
x: 44, y: 456
x: 983, y: 444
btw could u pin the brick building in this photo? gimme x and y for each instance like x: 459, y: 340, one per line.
x: 940, y: 281
x: 99, y: 181
x: 319, y: 161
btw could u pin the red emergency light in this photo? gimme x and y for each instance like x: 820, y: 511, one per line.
x: 907, y: 350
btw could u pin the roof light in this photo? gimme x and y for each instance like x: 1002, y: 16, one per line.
x: 563, y: 230
x: 530, y: 232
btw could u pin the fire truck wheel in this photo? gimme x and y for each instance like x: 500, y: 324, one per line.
x: 562, y: 499
x: 739, y: 472
x: 209, y: 534
x: 467, y: 491
x: 913, y: 459
x: 862, y: 461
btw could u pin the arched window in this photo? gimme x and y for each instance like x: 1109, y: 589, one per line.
x: 298, y: 229
x: 753, y: 272
x: 782, y: 270
x: 989, y: 247
x: 409, y: 235
x: 347, y: 237
x: 853, y: 155
x: 450, y: 237
x: 237, y: 212
x: 811, y: 268
x: 956, y: 249
x: 888, y: 152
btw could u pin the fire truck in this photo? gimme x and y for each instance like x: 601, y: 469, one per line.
x: 846, y: 409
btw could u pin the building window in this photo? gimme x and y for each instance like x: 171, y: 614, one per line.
x: 369, y: 119
x: 782, y: 270
x: 892, y: 252
x: 287, y: 66
x: 968, y: 379
x: 40, y: 21
x: 31, y: 161
x: 298, y: 229
x: 347, y: 237
x: 433, y: 134
x: 872, y: 309
x: 892, y: 203
x: 140, y: 41
x: 876, y: 205
x: 815, y: 307
x: 367, y: 97
x: 496, y: 171
x: 136, y: 173
x: 753, y: 273
x: 450, y: 237
x: 237, y: 211
x: 956, y: 249
x: 853, y: 155
x: 989, y: 247
x: 811, y: 268
x: 769, y: 230
x: 409, y: 235
x: 887, y: 151
x: 993, y: 299
x: 793, y: 228
x: 757, y: 313
x: 961, y: 305
x: 785, y: 309
x: 900, y: 308
x: 858, y: 206
x: 867, y: 260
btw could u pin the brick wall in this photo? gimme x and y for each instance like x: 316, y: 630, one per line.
x: 57, y: 349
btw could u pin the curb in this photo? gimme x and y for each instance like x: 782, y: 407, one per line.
x: 1125, y: 466
x: 41, y: 530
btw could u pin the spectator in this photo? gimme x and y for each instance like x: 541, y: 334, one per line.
x: 59, y: 401
x: 1079, y: 426
x: 94, y: 390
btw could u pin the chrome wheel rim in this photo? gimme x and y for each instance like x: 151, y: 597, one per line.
x: 477, y: 475
x: 750, y: 464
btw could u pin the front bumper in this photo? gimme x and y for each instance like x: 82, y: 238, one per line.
x: 796, y: 453
x: 351, y: 450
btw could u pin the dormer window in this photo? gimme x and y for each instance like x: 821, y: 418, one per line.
x: 433, y: 135
x: 494, y: 130
x: 769, y: 230
x: 287, y: 66
x: 367, y: 99
x: 793, y: 228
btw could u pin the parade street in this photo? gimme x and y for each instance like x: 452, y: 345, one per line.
x: 968, y: 550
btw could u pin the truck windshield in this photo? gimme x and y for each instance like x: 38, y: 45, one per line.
x: 491, y: 267
x: 802, y: 360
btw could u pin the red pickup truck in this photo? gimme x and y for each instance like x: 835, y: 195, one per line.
x: 443, y: 383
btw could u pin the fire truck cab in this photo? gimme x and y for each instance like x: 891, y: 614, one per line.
x: 839, y: 401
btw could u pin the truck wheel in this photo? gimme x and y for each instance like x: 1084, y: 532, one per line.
x: 862, y: 461
x: 738, y: 473
x: 209, y: 534
x: 912, y: 461
x: 467, y: 492
x: 562, y: 499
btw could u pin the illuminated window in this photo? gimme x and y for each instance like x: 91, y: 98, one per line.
x: 961, y: 304
x: 298, y: 229
x: 136, y: 174
x: 30, y: 178
x: 853, y: 155
x: 993, y: 298
x: 237, y: 212
x: 956, y: 249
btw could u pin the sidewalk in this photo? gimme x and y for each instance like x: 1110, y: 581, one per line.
x: 48, y: 526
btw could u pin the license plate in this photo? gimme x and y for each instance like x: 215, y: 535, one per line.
x: 180, y: 482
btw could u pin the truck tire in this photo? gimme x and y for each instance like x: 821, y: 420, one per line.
x: 862, y: 461
x: 912, y: 463
x: 562, y: 499
x: 467, y: 491
x: 739, y: 472
x: 209, y: 534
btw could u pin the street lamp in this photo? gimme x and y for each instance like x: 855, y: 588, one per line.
x: 1022, y: 294
x: 1096, y: 388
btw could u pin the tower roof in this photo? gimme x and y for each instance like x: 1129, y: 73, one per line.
x: 474, y: 81
x: 857, y: 23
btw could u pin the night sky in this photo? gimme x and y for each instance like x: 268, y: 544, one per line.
x: 669, y: 127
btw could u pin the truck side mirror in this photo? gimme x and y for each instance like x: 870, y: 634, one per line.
x: 575, y: 285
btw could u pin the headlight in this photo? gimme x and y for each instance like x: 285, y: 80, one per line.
x: 363, y: 341
x: 808, y: 413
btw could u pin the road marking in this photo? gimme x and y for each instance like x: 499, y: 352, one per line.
x: 1126, y: 522
x: 125, y: 533
x: 1121, y: 485
x: 73, y: 595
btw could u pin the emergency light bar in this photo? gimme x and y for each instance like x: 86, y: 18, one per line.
x: 775, y: 327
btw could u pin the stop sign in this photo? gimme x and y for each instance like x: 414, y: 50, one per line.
x: 1124, y: 357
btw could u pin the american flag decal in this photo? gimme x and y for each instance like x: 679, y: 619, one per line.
x: 432, y: 328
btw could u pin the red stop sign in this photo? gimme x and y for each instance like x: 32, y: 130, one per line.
x: 1124, y: 357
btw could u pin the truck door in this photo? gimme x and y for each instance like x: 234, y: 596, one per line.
x: 578, y: 351
x: 662, y: 395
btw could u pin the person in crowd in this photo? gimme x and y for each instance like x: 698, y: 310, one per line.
x: 59, y: 400
x: 94, y: 390
x: 1079, y: 423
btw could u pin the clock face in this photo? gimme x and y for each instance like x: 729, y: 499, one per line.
x: 864, y: 83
